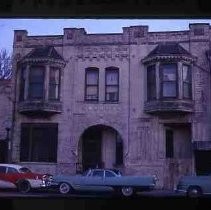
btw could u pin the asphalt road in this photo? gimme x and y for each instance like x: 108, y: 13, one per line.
x: 157, y: 199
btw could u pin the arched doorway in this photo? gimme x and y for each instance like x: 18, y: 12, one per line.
x: 100, y: 146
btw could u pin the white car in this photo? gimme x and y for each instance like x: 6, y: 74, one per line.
x: 13, y: 176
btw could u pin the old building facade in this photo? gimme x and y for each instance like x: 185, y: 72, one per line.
x: 136, y: 100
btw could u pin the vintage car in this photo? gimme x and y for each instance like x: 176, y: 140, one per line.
x: 13, y: 176
x: 103, y: 180
x: 194, y: 186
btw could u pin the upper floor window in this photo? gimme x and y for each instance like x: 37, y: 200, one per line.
x: 92, y: 84
x: 168, y: 79
x: 151, y: 82
x: 36, y: 82
x: 187, y: 81
x: 54, y: 83
x: 112, y: 84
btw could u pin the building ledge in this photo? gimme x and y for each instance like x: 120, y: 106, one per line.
x: 169, y: 106
x: 40, y: 107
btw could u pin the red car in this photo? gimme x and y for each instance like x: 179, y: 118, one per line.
x: 19, y: 177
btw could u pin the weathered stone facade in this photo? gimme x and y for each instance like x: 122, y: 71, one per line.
x: 142, y: 126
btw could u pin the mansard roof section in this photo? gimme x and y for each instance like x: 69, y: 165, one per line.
x: 43, y: 54
x: 168, y: 50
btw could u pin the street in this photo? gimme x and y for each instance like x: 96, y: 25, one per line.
x: 149, y: 200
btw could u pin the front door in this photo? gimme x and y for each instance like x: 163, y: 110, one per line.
x: 91, y: 148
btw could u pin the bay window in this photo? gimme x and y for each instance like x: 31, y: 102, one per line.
x: 54, y: 83
x: 151, y: 82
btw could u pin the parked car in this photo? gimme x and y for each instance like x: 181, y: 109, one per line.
x: 13, y: 176
x: 103, y: 180
x: 194, y: 186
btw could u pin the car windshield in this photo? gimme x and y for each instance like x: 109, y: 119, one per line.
x: 24, y: 170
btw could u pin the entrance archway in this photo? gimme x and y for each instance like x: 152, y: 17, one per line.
x: 100, y: 146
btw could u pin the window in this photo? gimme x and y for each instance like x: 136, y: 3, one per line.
x: 11, y: 170
x: 2, y: 169
x: 92, y: 83
x: 24, y: 170
x: 109, y: 174
x: 151, y: 82
x: 98, y: 173
x: 22, y: 83
x: 39, y: 142
x: 169, y: 144
x: 54, y: 83
x: 168, y: 80
x: 36, y: 82
x: 187, y: 84
x: 112, y: 84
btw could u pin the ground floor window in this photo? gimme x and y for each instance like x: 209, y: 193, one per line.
x: 39, y: 142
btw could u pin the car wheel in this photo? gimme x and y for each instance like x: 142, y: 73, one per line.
x: 127, y: 191
x: 24, y: 186
x: 194, y: 192
x: 64, y: 188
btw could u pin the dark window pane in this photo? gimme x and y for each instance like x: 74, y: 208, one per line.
x: 36, y: 82
x: 112, y: 77
x: 119, y: 150
x: 54, y: 83
x: 169, y: 144
x: 92, y: 77
x: 169, y: 89
x: 187, y: 90
x: 112, y: 84
x: 98, y: 173
x: 187, y: 83
x: 39, y: 142
x: 91, y: 86
x: 151, y: 82
x: 109, y: 174
x: 2, y: 169
x: 169, y: 72
x: 11, y: 170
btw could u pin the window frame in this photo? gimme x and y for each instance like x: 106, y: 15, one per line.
x: 87, y: 70
x: 23, y: 79
x: 189, y: 83
x: 162, y: 81
x: 115, y: 69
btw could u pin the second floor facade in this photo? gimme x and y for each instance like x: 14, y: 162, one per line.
x: 137, y: 72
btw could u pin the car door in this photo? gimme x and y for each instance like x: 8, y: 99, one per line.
x: 95, y: 182
x: 111, y: 179
x: 5, y: 180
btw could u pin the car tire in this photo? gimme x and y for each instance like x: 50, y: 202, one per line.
x: 64, y: 188
x: 127, y: 191
x: 194, y: 192
x: 24, y: 186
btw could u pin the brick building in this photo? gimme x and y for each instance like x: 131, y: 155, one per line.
x: 136, y: 100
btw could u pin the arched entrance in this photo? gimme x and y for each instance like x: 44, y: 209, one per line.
x: 100, y: 146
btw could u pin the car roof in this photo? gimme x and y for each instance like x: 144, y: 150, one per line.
x: 11, y: 165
